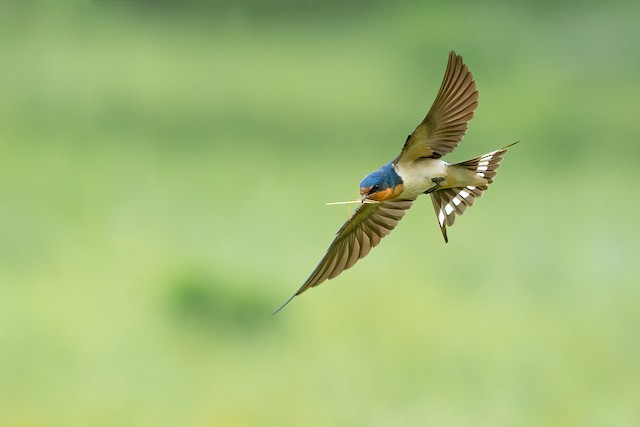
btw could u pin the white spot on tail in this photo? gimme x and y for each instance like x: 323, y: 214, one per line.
x: 480, y: 174
x: 448, y: 208
x: 441, y: 217
x: 482, y: 168
x: 471, y: 187
x: 464, y: 194
x: 456, y: 201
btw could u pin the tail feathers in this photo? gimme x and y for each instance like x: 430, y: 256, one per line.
x: 451, y: 201
x: 486, y: 166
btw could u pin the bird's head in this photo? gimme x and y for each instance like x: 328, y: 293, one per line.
x: 382, y: 184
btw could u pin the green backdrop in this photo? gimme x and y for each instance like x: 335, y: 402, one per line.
x: 163, y: 174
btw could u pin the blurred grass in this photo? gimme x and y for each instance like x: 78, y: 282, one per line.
x: 163, y: 184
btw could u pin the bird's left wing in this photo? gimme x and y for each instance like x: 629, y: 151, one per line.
x: 447, y: 120
x: 364, y: 230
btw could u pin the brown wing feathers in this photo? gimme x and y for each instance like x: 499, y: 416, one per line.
x: 363, y: 231
x: 369, y: 224
x: 447, y: 120
x: 453, y: 108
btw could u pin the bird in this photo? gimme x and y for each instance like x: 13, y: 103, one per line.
x: 388, y: 192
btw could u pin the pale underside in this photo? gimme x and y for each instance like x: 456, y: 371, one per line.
x: 421, y: 176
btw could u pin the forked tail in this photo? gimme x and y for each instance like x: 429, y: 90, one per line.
x: 451, y: 201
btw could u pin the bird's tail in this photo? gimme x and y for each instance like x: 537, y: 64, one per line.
x: 451, y: 201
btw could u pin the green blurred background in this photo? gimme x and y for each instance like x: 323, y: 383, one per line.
x: 164, y: 173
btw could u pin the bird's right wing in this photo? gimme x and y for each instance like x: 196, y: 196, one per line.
x: 364, y: 230
x: 446, y: 122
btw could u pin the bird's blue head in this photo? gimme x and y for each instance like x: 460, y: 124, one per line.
x: 382, y: 184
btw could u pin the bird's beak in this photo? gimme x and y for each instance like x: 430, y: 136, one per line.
x: 364, y: 192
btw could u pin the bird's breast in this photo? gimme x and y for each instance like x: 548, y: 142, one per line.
x: 418, y: 176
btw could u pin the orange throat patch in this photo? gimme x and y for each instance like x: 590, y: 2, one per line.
x: 389, y: 193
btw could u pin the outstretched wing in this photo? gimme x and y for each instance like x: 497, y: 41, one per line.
x: 447, y: 120
x: 364, y: 230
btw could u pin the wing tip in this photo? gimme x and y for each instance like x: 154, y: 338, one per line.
x: 454, y: 56
x: 277, y: 310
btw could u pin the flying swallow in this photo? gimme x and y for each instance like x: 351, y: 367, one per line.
x: 388, y: 192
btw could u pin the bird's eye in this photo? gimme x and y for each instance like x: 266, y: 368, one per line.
x: 375, y: 188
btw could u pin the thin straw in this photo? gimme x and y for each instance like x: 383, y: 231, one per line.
x: 351, y: 201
